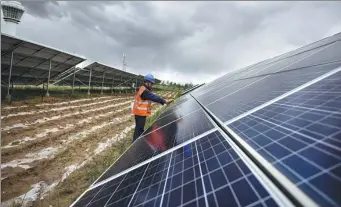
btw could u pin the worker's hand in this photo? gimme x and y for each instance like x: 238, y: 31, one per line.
x: 169, y: 101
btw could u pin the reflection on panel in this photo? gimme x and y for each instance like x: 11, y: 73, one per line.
x: 229, y: 104
x: 159, y: 139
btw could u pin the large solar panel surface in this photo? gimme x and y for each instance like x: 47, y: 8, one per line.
x: 267, y: 135
x: 206, y: 171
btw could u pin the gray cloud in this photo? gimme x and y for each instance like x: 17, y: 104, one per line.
x: 187, y: 41
x: 43, y: 9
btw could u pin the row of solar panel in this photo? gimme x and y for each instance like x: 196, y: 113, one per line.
x: 29, y: 63
x: 297, y: 131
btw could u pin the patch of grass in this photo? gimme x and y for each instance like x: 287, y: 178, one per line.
x: 165, y: 88
x: 150, y: 119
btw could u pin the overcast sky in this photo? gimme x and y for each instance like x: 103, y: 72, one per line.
x: 180, y: 41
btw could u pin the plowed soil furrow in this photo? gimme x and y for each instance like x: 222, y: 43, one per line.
x: 34, y: 119
x: 38, y: 120
x: 73, y: 102
x: 27, y: 108
x: 23, y: 136
x: 62, y: 143
x: 50, y: 111
x: 41, y: 140
x: 10, y: 118
x: 58, y: 137
x: 50, y: 170
x: 61, y: 122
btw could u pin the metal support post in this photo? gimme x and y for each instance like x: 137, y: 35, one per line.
x: 73, y: 80
x: 48, y: 79
x: 121, y: 81
x: 9, y: 79
x: 89, y: 82
x: 112, y: 85
x: 102, y: 83
x: 136, y: 85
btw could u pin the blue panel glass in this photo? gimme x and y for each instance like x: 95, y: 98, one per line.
x: 119, y: 189
x: 247, y: 94
x: 304, y: 145
x: 159, y: 139
x: 189, y: 176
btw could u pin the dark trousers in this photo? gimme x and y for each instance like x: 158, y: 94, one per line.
x: 139, y: 128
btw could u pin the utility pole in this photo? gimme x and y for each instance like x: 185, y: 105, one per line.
x: 124, y: 63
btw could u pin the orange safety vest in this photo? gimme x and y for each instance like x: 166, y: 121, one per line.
x: 142, y: 107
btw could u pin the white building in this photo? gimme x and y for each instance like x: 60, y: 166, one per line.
x: 11, y: 13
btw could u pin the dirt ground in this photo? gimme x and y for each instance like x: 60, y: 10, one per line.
x: 44, y: 144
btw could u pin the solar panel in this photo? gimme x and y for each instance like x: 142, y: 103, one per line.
x: 101, y: 75
x: 301, y: 136
x: 266, y: 135
x: 205, y: 171
x: 247, y: 94
x: 159, y: 138
x: 31, y: 61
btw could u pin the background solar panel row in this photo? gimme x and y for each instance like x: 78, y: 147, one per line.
x: 31, y: 61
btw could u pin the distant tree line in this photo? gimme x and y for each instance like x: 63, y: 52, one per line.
x: 177, y: 85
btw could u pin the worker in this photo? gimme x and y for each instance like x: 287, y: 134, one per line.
x: 142, y: 106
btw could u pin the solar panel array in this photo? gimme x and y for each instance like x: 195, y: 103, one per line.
x: 102, y: 74
x: 28, y: 63
x: 266, y: 135
x: 31, y: 61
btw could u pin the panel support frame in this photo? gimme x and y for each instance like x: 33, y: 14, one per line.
x: 289, y: 189
x: 73, y: 80
x: 48, y: 79
x: 9, y: 97
x: 89, y: 82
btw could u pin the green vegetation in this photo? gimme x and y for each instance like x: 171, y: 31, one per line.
x: 176, y: 85
x: 165, y: 88
x: 150, y: 119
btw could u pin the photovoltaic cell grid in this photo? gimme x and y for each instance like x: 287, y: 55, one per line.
x: 118, y: 190
x: 160, y: 140
x: 206, y: 170
x: 259, y: 90
x: 301, y: 136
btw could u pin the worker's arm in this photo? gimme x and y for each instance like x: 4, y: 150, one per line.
x: 147, y: 95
